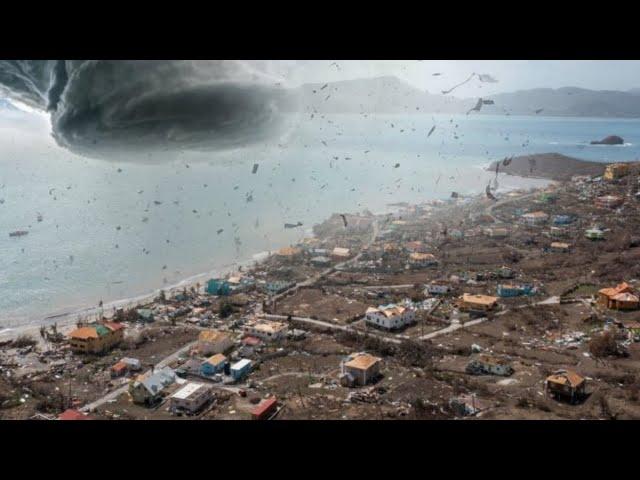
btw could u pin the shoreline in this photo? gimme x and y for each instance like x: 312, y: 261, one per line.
x: 66, y: 320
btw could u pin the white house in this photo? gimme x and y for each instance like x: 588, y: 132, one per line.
x: 389, y: 316
x: 438, y: 288
x: 266, y: 330
x: 534, y: 218
x: 190, y: 398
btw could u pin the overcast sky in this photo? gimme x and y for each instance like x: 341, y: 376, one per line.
x: 511, y: 74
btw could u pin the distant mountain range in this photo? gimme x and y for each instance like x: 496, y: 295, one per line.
x: 391, y: 95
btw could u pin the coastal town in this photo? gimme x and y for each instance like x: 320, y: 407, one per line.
x: 523, y: 304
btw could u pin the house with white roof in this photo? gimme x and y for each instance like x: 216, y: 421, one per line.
x: 266, y: 330
x: 390, y: 316
x: 190, y: 398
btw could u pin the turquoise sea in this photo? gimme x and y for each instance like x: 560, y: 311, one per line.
x: 117, y: 230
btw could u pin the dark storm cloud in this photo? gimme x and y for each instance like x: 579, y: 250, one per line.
x: 115, y: 108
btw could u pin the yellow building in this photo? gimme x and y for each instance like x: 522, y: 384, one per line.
x: 616, y: 170
x: 96, y: 338
x: 478, y: 302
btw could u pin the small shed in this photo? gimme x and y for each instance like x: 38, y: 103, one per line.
x: 240, y: 369
x: 566, y: 384
x: 362, y: 367
x: 264, y: 409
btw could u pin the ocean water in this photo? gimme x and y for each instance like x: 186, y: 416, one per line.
x: 104, y: 237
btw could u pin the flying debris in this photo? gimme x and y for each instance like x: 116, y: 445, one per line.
x: 324, y: 143
x: 220, y: 230
x: 489, y: 194
x: 344, y: 220
x: 396, y: 165
x: 292, y: 225
x: 324, y: 86
x: 507, y: 161
x: 488, y: 102
x: 431, y: 131
x: 437, y: 74
x: 477, y: 107
x: 539, y: 110
x: 255, y: 168
x: 39, y: 217
x: 486, y: 78
x: 249, y: 197
x: 454, y: 195
x: 157, y: 202
x: 438, y: 179
x: 445, y: 92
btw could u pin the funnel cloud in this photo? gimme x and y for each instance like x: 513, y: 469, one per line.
x: 121, y: 108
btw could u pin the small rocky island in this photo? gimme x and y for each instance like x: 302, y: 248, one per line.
x: 610, y: 140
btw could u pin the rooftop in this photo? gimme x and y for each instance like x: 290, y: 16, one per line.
x: 269, y: 327
x: 362, y: 361
x: 212, y: 336
x: 566, y: 377
x: 241, y: 364
x: 188, y: 390
x: 217, y: 359
x: 288, y: 252
x: 84, y: 333
x: 538, y: 214
x: 481, y: 299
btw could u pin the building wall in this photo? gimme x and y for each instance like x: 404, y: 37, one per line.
x: 97, y: 345
x: 194, y: 402
x: 398, y: 321
x: 362, y: 377
x: 208, y: 369
x: 265, y: 335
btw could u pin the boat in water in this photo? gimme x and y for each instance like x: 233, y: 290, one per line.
x: 18, y: 233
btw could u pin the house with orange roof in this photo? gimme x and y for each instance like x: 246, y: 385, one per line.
x: 620, y: 297
x: 96, y: 338
x: 477, y: 303
x: 566, y: 384
x: 360, y: 369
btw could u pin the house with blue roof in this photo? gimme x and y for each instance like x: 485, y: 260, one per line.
x: 147, y: 390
